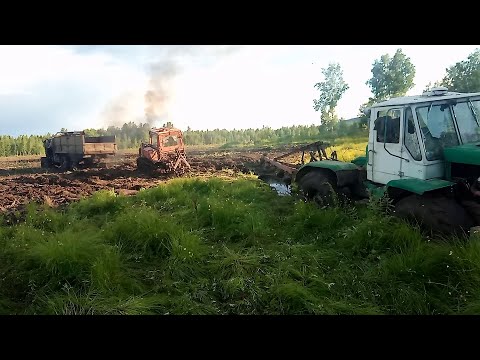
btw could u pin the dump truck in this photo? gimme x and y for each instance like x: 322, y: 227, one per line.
x: 69, y: 150
x: 165, y: 151
x: 423, y: 155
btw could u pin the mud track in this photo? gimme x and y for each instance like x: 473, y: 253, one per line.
x: 23, y: 181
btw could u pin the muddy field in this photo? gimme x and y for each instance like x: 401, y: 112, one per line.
x: 22, y: 180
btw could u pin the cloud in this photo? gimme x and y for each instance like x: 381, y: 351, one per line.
x: 133, y: 54
x: 44, y: 88
x: 49, y: 106
x: 66, y: 89
x: 161, y: 65
x: 153, y: 53
x: 121, y: 110
x: 164, y: 71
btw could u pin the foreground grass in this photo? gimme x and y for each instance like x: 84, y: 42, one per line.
x: 217, y: 246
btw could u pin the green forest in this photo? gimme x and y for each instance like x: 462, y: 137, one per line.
x: 21, y: 145
x: 130, y: 135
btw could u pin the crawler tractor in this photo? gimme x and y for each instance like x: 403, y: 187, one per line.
x: 423, y: 154
x: 164, y: 152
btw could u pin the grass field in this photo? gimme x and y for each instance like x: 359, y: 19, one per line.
x: 228, y: 246
x: 348, y: 148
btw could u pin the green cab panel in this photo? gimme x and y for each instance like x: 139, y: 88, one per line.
x: 330, y: 164
x: 360, y: 161
x: 345, y: 173
x: 463, y: 154
x: 418, y: 186
x: 375, y: 190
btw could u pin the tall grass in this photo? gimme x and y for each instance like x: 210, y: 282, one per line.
x: 228, y: 246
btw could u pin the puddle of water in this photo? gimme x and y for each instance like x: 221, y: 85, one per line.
x: 276, y: 184
x: 281, y: 189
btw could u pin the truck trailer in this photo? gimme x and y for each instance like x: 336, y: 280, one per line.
x: 69, y: 150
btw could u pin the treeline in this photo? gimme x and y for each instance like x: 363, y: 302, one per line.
x: 21, y: 145
x: 269, y: 136
x: 130, y: 135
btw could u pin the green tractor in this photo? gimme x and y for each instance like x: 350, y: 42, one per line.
x: 423, y: 153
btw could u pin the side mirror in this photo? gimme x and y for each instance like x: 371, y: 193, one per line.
x: 367, y: 112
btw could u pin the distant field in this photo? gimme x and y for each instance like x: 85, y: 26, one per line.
x: 350, y: 148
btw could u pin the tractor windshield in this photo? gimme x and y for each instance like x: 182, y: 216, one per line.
x: 170, y: 141
x: 437, y: 124
x: 437, y: 128
x: 467, y: 114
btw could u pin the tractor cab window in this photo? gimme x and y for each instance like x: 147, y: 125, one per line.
x: 154, y: 140
x: 388, y: 127
x: 437, y: 128
x: 468, y: 118
x: 411, y: 139
x: 170, y: 141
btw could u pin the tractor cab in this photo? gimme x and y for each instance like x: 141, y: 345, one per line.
x: 423, y: 152
x: 166, y: 139
x: 417, y: 136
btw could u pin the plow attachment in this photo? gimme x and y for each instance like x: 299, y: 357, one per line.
x: 316, y: 150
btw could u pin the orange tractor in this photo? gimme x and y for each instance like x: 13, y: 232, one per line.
x: 165, y: 151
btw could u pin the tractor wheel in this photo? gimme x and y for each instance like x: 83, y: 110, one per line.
x: 89, y: 162
x: 320, y: 188
x: 435, y: 213
x: 65, y: 164
x: 44, y: 163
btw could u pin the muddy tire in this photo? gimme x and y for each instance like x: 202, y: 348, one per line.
x: 65, y: 164
x: 434, y: 213
x: 44, y: 163
x: 320, y: 188
x: 89, y: 162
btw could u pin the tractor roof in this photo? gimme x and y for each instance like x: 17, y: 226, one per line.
x: 63, y: 133
x: 163, y: 130
x: 428, y: 96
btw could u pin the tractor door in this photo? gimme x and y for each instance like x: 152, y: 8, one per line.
x: 153, y: 138
x: 412, y: 165
x: 385, y: 146
x: 150, y: 151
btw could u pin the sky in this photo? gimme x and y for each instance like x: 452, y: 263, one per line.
x: 44, y: 88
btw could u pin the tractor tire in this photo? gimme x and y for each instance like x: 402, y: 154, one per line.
x: 435, y: 213
x: 89, y: 162
x: 319, y: 188
x: 44, y: 163
x: 65, y: 164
